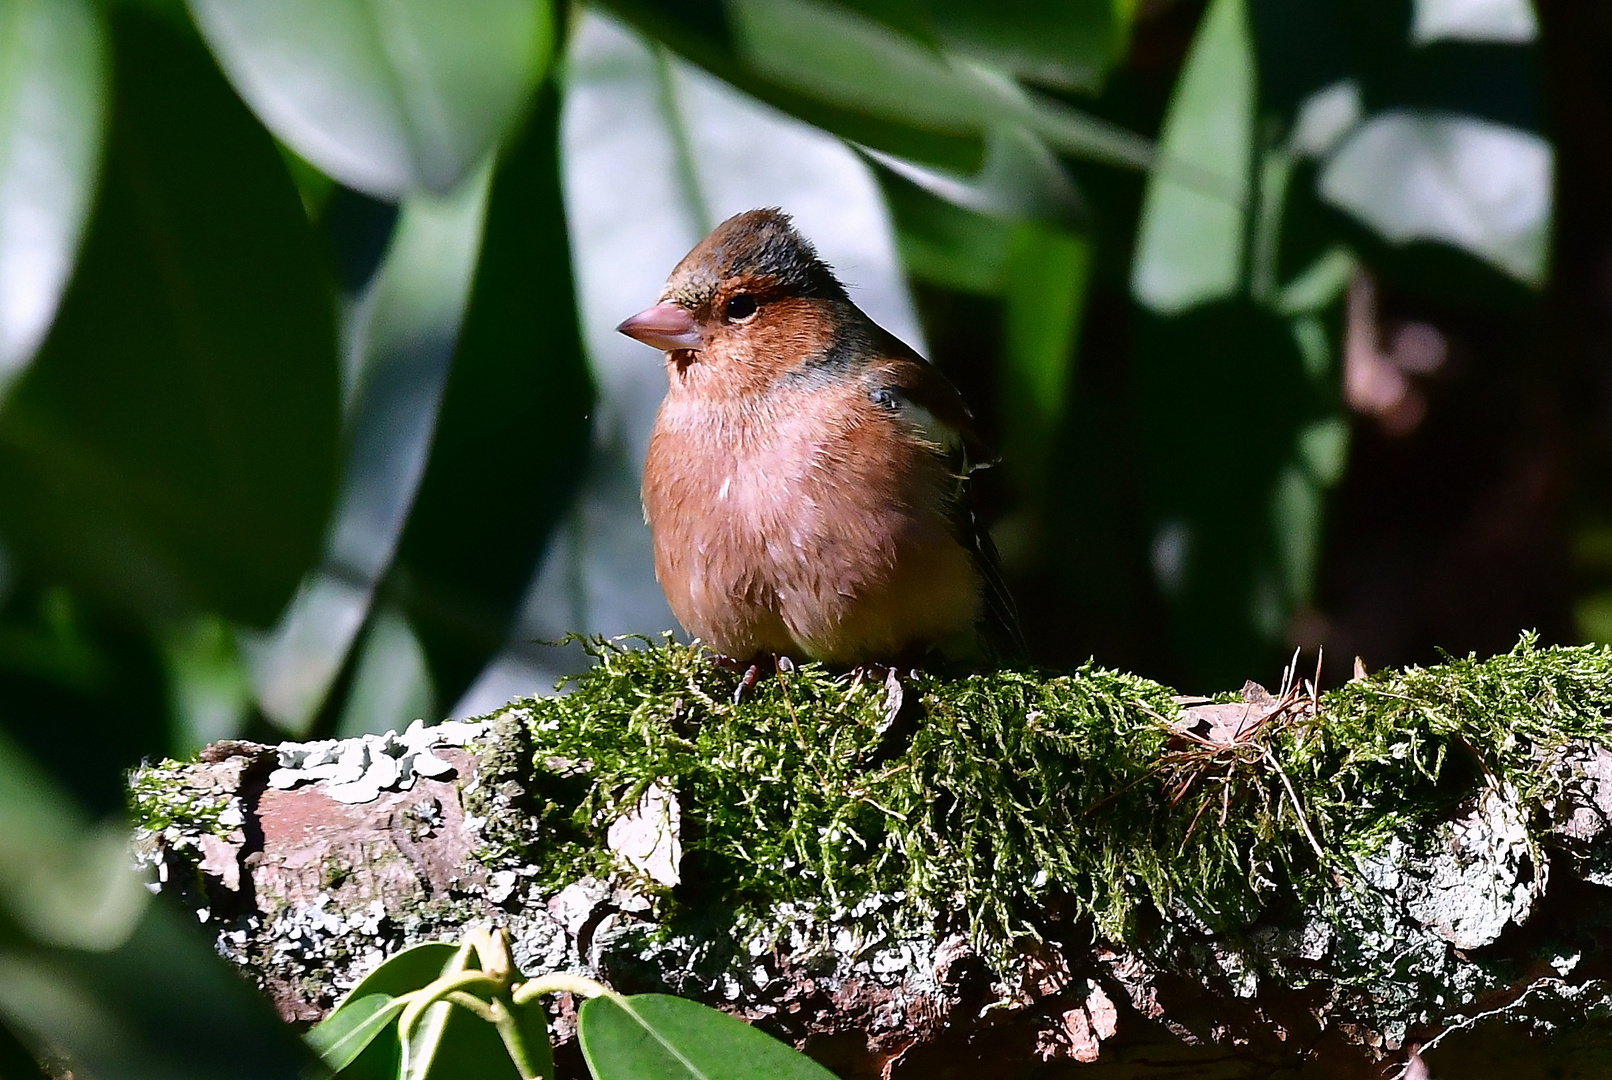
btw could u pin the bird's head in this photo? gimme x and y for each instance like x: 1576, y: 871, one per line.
x: 751, y: 301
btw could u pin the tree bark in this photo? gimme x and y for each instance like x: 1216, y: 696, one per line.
x: 1482, y: 940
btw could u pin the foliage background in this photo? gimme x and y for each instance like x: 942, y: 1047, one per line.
x: 1291, y: 322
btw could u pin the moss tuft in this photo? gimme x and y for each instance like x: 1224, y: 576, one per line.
x: 1022, y: 792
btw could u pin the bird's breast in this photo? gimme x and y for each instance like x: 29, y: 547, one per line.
x: 775, y: 517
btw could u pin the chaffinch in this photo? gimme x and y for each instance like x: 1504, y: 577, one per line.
x: 807, y: 480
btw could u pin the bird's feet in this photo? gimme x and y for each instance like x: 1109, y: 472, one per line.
x: 753, y: 670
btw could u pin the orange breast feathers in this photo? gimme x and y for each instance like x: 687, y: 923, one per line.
x: 809, y: 520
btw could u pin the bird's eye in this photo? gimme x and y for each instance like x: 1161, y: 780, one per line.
x: 740, y: 307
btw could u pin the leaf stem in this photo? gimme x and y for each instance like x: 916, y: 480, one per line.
x: 562, y: 983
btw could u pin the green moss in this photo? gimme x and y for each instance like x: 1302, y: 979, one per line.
x: 161, y: 796
x: 1021, y: 792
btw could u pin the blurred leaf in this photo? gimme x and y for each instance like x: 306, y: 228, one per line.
x: 1189, y: 247
x: 208, y: 684
x: 95, y: 967
x: 864, y: 78
x: 387, y: 98
x: 847, y: 59
x: 659, y: 1037
x: 402, y: 333
x: 944, y: 243
x: 69, y: 664
x: 65, y: 882
x: 1509, y: 21
x: 173, y: 444
x: 1482, y: 187
x: 701, y: 33
x: 1069, y: 45
x: 16, y: 1060
x: 160, y: 1005
x: 52, y: 108
x: 1045, y: 288
x: 1224, y: 395
x: 512, y: 435
x: 1020, y: 179
x: 391, y: 683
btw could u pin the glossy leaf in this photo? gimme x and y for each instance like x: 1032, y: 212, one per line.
x: 658, y: 1037
x: 1189, y: 247
x: 512, y: 434
x: 387, y: 98
x: 52, y: 107
x: 379, y: 1056
x: 343, y: 1035
x: 172, y: 444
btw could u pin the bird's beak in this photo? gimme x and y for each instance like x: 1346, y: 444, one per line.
x: 664, y: 326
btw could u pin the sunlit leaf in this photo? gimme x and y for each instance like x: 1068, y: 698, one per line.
x: 1480, y: 186
x: 385, y: 97
x: 1190, y: 243
x: 658, y: 1037
x: 380, y: 1055
x: 52, y: 106
x: 512, y: 436
x: 172, y: 444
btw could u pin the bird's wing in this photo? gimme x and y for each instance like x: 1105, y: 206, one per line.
x: 950, y: 424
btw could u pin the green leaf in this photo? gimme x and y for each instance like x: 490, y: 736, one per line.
x: 379, y: 1058
x: 1190, y: 244
x: 343, y: 1035
x: 1226, y: 399
x: 173, y: 444
x: 52, y: 108
x: 512, y: 435
x: 871, y: 80
x: 385, y: 97
x: 659, y: 1037
x: 1045, y: 291
x: 1069, y: 45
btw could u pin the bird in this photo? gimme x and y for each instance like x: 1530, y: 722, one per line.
x: 808, y: 477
